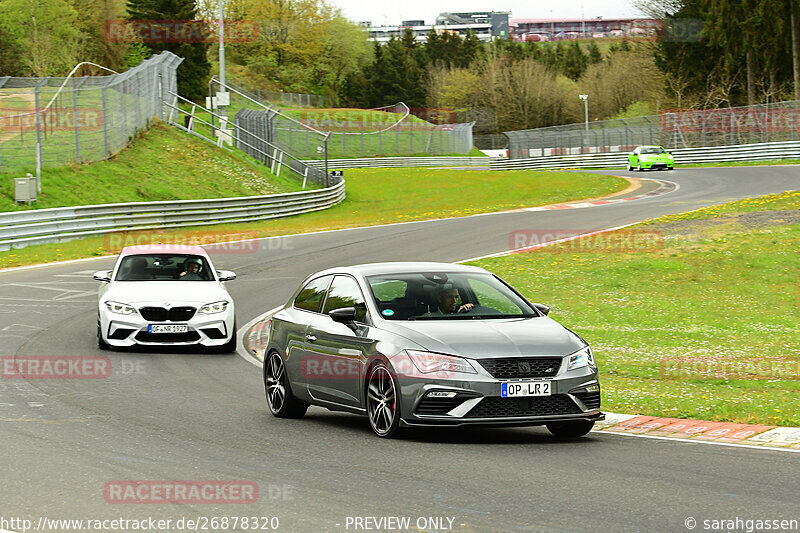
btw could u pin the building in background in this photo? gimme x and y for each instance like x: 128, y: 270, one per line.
x: 559, y: 29
x: 486, y: 25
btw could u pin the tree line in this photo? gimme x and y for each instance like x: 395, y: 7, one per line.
x: 719, y: 53
x: 735, y: 52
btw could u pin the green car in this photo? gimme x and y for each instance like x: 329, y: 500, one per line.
x: 650, y: 157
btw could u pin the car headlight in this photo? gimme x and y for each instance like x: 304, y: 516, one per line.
x: 216, y: 307
x: 120, y: 308
x: 429, y: 362
x: 581, y: 359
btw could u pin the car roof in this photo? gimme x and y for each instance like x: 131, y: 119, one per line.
x: 401, y: 267
x: 163, y: 249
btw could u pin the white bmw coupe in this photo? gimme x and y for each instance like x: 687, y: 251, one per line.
x: 165, y: 295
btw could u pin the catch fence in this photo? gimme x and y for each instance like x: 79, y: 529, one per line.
x: 51, y: 122
x: 679, y: 129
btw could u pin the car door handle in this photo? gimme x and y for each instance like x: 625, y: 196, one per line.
x: 311, y: 338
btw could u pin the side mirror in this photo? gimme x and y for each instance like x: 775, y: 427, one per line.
x: 344, y: 315
x: 226, y: 275
x: 544, y: 309
x: 102, y: 275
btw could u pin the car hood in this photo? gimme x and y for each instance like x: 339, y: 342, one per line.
x: 481, y: 339
x: 655, y: 157
x: 161, y: 292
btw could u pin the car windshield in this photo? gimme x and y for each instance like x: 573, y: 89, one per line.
x: 164, y: 267
x: 445, y: 296
x: 653, y: 150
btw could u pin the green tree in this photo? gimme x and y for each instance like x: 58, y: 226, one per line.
x: 595, y: 55
x: 43, y: 33
x: 575, y: 61
x: 195, y: 70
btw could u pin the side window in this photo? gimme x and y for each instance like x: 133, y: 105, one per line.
x: 310, y: 298
x: 346, y: 293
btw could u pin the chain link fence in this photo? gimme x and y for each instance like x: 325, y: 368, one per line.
x: 277, y: 97
x: 677, y: 129
x: 319, y: 134
x: 51, y: 122
x: 358, y: 133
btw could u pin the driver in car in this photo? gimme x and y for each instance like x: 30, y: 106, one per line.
x: 193, y: 266
x: 448, y: 303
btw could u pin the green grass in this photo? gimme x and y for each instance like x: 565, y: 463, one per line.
x: 381, y: 196
x: 720, y: 291
x: 162, y: 164
x: 741, y: 163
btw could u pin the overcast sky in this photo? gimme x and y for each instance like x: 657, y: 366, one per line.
x: 393, y: 12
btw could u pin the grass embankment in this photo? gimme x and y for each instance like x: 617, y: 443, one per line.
x: 382, y: 196
x: 162, y: 164
x: 703, y: 325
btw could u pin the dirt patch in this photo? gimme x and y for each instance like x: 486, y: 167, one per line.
x: 751, y: 221
x: 761, y: 219
x: 690, y: 227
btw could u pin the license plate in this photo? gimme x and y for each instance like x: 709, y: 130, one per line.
x: 527, y: 388
x: 167, y: 328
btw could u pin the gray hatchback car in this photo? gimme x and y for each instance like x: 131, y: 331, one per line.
x: 427, y: 344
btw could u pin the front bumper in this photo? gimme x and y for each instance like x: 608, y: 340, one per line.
x: 131, y: 330
x: 656, y: 164
x: 478, y: 400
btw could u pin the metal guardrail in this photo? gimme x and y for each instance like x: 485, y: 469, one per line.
x: 22, y: 228
x: 386, y: 162
x: 712, y: 154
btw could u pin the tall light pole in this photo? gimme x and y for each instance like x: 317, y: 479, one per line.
x: 583, y: 23
x: 585, y: 98
x: 223, y: 87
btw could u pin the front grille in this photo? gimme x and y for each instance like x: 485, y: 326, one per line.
x: 522, y: 367
x: 120, y: 333
x: 496, y: 407
x: 160, y: 314
x: 590, y: 399
x: 189, y: 336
